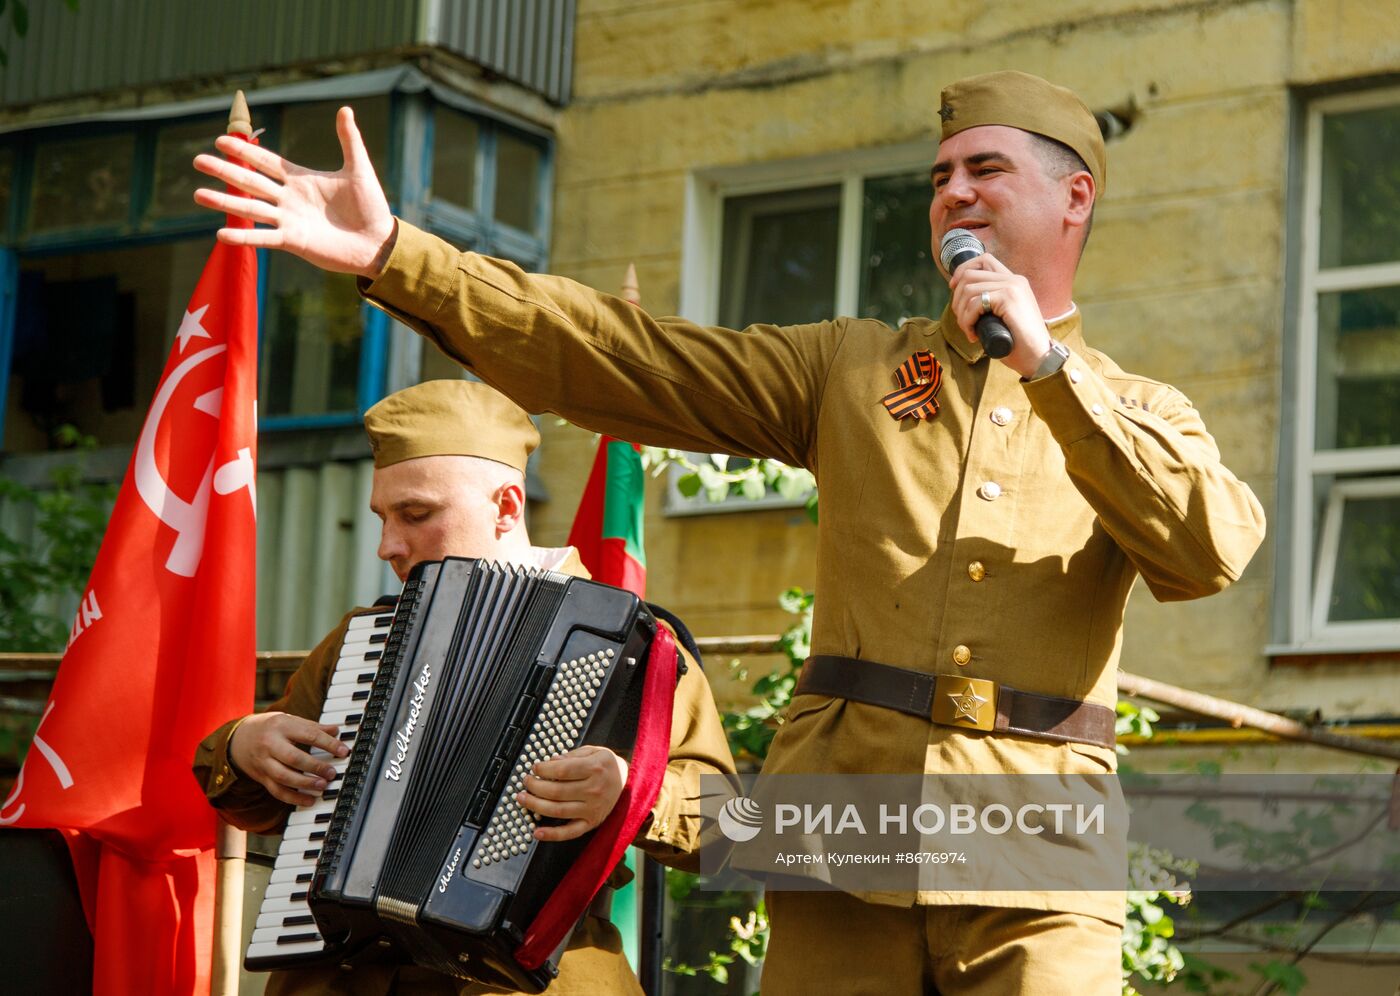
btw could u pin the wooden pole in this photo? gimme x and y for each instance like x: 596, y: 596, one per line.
x: 651, y: 874
x: 231, y: 854
x: 230, y: 844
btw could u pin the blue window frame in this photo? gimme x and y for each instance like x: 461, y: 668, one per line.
x: 325, y: 356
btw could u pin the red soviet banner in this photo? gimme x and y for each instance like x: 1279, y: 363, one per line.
x: 160, y: 653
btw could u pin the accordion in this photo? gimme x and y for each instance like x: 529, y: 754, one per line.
x: 479, y: 671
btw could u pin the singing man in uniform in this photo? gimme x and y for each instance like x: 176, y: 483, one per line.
x: 449, y: 480
x: 972, y: 492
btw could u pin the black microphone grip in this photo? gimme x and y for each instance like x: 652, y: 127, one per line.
x: 995, y: 336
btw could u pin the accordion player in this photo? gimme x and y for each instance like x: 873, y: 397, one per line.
x: 478, y: 672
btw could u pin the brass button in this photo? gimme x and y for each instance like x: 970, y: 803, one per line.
x: 219, y: 778
x: 990, y: 490
x: 961, y: 655
x: 976, y: 571
x: 1001, y: 415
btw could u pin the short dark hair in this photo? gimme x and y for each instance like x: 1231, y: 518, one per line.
x: 1060, y: 161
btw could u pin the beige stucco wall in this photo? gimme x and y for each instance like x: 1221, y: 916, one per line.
x: 1183, y: 280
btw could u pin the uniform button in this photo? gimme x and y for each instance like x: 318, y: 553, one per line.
x: 1074, y: 376
x: 1097, y: 409
x: 1002, y: 415
x: 976, y: 571
x: 961, y: 655
x: 990, y: 490
x: 219, y: 778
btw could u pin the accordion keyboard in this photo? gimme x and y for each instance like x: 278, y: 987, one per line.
x: 285, y: 926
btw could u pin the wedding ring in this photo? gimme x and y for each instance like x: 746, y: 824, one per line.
x: 986, y: 302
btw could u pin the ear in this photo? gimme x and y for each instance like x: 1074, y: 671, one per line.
x: 510, y: 508
x: 1079, y: 202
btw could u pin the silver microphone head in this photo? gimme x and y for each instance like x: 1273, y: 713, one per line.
x: 956, y: 242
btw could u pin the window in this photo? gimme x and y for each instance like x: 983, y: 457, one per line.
x: 487, y: 189
x: 1344, y: 562
x: 789, y: 243
x: 104, y: 212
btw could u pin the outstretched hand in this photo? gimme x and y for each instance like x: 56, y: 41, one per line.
x: 338, y: 221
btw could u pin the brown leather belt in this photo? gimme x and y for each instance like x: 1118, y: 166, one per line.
x: 959, y: 702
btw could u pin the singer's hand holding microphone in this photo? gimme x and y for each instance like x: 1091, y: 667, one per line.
x: 1010, y: 326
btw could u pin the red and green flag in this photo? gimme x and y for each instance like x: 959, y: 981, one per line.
x: 607, y: 528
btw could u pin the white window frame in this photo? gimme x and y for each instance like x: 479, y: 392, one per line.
x: 703, y: 243
x: 1309, y: 587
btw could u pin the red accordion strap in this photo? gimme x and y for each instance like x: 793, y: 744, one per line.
x: 581, y: 883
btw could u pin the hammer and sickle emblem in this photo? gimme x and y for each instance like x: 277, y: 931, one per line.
x: 187, y: 518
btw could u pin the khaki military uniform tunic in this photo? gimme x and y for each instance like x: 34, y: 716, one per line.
x: 997, y: 540
x: 594, y: 963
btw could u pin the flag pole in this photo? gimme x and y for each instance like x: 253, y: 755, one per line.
x: 230, y: 843
x: 651, y: 881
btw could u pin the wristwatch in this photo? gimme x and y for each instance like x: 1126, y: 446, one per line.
x: 1051, y: 361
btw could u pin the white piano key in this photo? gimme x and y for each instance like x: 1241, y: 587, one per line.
x: 265, y: 935
x: 312, y: 814
x: 368, y: 621
x: 283, y: 905
x: 275, y: 950
x: 285, y: 890
x: 302, y: 832
x: 289, y: 873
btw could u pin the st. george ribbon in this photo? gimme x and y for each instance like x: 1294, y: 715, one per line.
x: 956, y: 248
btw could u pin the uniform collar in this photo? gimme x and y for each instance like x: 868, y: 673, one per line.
x: 1066, y: 328
x: 563, y: 559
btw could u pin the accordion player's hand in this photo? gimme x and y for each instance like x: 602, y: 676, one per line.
x: 272, y: 748
x: 580, y: 788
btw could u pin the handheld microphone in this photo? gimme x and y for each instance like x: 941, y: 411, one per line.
x: 958, y: 246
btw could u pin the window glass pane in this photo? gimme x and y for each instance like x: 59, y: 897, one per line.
x: 175, y: 180
x: 898, y: 278
x: 1367, y: 580
x: 92, y: 333
x: 307, y: 135
x: 1361, y: 187
x: 1358, y: 368
x: 311, y: 340
x: 780, y: 257
x: 517, y: 182
x: 455, y: 138
x: 81, y: 182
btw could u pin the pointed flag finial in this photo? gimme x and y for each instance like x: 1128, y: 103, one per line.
x: 240, y: 119
x: 630, y: 291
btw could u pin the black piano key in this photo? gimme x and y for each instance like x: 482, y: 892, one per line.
x: 298, y: 897
x: 305, y: 878
x: 312, y: 854
x: 330, y: 793
x: 378, y: 637
x: 316, y: 835
x: 323, y: 817
x: 355, y: 717
x: 365, y: 679
x: 301, y: 920
x: 298, y: 938
x: 359, y: 696
x: 347, y: 736
x: 373, y: 655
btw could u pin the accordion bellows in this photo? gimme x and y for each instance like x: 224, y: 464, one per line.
x: 482, y: 671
